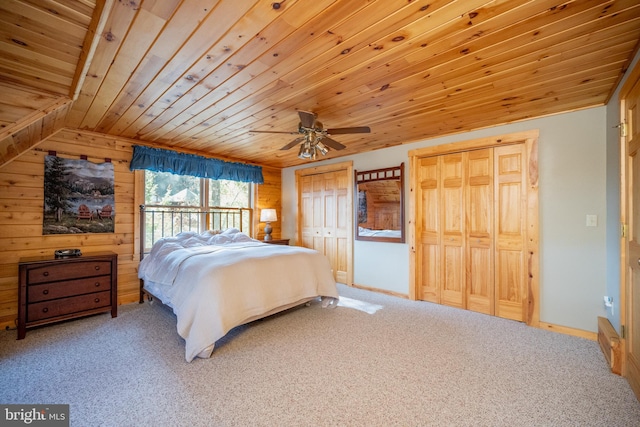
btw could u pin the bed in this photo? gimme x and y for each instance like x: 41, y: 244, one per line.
x: 215, y: 281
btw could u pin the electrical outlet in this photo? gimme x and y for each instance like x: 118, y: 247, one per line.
x: 592, y: 220
x: 608, y: 302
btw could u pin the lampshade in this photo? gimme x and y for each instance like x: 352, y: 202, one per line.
x: 268, y: 215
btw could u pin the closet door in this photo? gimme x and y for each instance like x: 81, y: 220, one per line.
x: 317, y: 213
x: 452, y: 230
x: 324, y: 217
x: 306, y: 211
x: 311, y: 212
x: 428, y: 234
x: 342, y: 229
x: 479, y: 231
x: 471, y: 232
x: 326, y: 214
x: 475, y: 226
x: 510, y: 243
x: 335, y: 214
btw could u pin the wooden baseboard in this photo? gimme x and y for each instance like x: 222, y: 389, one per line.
x: 593, y: 336
x: 381, y: 291
x: 569, y: 331
x: 609, y: 341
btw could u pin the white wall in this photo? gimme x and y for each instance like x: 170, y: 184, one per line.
x: 573, y: 260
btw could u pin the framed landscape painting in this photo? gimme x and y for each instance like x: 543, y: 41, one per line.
x: 78, y: 196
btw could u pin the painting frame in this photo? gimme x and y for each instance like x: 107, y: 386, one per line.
x: 79, y: 196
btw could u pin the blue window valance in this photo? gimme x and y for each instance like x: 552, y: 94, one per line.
x: 159, y: 160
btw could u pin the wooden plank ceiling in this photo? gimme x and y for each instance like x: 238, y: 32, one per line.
x: 199, y: 75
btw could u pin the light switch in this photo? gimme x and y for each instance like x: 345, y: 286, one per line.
x: 592, y: 220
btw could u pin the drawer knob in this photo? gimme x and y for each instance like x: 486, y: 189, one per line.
x: 97, y: 300
x: 45, y: 274
x: 45, y: 310
x: 46, y: 292
x: 97, y: 267
x: 97, y: 284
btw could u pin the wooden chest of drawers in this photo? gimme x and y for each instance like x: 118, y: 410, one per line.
x: 54, y: 289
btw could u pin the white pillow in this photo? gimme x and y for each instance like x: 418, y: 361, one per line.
x: 231, y: 230
x: 241, y: 237
x: 219, y: 239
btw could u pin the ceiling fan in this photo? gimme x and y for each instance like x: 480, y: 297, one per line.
x: 314, y: 137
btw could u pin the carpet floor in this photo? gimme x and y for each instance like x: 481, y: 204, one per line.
x: 375, y: 360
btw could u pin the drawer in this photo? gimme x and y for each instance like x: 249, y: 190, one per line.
x: 67, y: 270
x: 68, y: 288
x: 63, y: 306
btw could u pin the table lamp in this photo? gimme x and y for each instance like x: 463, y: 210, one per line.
x: 268, y: 216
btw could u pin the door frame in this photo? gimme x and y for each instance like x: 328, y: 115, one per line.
x: 624, y: 311
x: 530, y: 139
x: 318, y: 170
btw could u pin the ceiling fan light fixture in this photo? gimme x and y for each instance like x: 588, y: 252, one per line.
x: 322, y: 148
x: 313, y: 134
x: 301, y: 153
x: 307, y: 150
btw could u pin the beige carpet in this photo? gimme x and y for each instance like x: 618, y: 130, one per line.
x: 375, y: 360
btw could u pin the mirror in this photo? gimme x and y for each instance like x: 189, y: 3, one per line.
x: 380, y: 204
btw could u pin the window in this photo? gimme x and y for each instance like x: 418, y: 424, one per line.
x: 166, y: 189
x: 177, y: 203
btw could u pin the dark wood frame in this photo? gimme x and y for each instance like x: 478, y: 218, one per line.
x: 395, y: 173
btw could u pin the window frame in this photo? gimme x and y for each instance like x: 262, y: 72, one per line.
x: 203, y: 211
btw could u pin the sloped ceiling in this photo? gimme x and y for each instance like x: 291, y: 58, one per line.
x: 200, y: 75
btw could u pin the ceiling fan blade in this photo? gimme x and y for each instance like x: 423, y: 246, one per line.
x: 272, y: 131
x: 293, y: 143
x: 307, y: 119
x: 332, y: 143
x: 358, y: 129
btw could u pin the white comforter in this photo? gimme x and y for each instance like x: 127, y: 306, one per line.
x: 215, y: 282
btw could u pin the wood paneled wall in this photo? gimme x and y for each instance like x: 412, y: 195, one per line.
x: 268, y: 195
x: 22, y: 202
